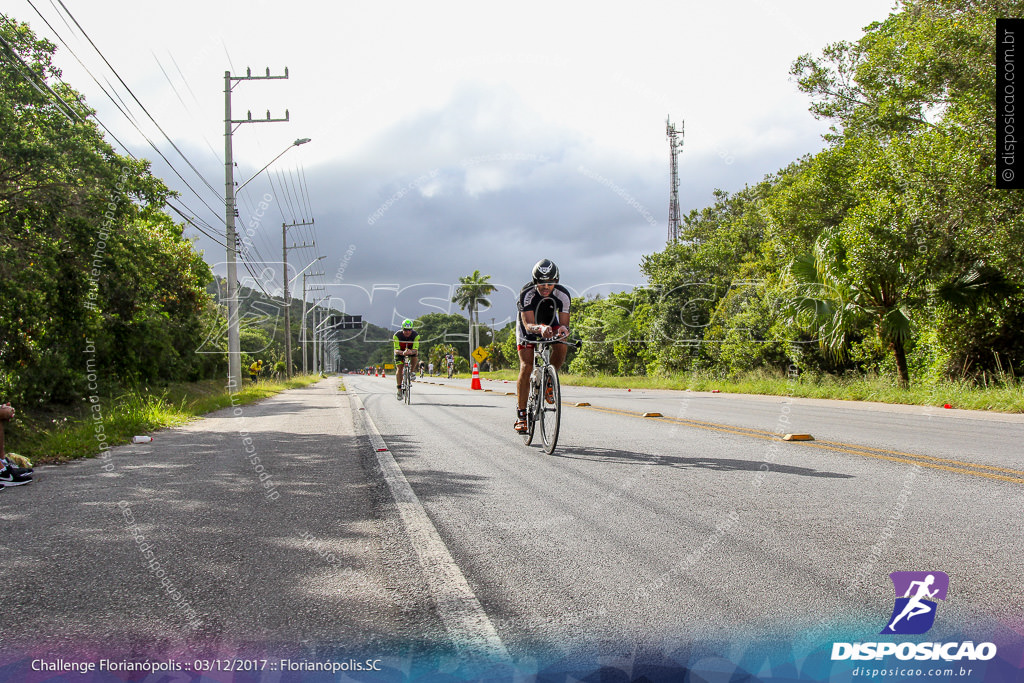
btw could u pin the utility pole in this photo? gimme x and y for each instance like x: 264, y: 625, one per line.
x: 287, y: 299
x: 326, y: 334
x: 675, y: 143
x: 234, y: 346
x: 316, y: 305
x: 302, y: 329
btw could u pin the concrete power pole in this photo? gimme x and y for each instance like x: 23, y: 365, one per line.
x: 287, y: 298
x: 303, y: 337
x: 675, y: 142
x: 234, y: 345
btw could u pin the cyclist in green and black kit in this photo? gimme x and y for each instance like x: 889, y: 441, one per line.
x: 407, y: 346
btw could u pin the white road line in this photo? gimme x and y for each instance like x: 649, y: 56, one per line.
x: 463, y: 615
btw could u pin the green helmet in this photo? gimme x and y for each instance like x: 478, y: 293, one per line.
x: 407, y: 324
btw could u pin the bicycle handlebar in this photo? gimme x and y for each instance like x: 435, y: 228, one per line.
x: 576, y: 344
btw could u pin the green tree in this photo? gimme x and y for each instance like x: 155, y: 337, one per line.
x: 834, y: 303
x: 447, y: 329
x: 470, y: 296
x: 88, y: 259
x: 912, y: 106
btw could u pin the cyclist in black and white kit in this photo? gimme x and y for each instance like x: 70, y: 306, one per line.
x: 543, y: 314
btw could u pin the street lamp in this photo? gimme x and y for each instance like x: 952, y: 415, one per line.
x: 300, y: 141
x: 234, y: 345
x: 318, y: 258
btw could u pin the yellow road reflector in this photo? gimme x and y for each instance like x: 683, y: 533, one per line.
x: 798, y: 437
x: 653, y: 415
x: 582, y: 404
x: 510, y: 393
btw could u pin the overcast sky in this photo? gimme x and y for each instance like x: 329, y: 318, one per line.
x: 449, y: 137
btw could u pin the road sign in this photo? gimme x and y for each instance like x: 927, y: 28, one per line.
x: 346, y: 322
x: 480, y: 355
x: 389, y: 366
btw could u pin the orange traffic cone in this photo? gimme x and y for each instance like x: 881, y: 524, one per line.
x: 476, y: 379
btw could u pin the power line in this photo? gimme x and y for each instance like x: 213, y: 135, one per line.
x: 183, y: 79
x: 131, y: 119
x: 146, y: 111
x: 75, y: 55
x: 31, y: 78
x: 305, y: 188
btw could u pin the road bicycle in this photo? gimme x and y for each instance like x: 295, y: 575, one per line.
x: 544, y: 405
x: 407, y: 379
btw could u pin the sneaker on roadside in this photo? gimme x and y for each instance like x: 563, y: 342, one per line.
x: 19, y: 471
x: 9, y: 478
x: 399, y: 393
x: 4, y: 462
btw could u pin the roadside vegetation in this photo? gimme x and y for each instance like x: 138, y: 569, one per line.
x: 886, y: 267
x: 998, y: 394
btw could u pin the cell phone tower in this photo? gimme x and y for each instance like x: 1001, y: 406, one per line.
x: 675, y: 143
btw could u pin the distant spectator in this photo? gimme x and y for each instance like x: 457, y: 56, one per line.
x: 10, y: 475
x: 255, y: 369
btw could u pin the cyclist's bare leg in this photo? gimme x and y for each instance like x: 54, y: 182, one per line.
x: 525, y: 370
x: 558, y: 352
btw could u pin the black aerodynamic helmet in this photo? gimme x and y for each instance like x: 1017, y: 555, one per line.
x: 545, y: 272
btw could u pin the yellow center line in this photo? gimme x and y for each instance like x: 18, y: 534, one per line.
x: 957, y: 466
x: 959, y: 470
x: 925, y: 457
x: 714, y: 426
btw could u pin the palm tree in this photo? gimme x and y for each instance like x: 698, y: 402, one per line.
x: 835, y: 304
x: 471, y: 294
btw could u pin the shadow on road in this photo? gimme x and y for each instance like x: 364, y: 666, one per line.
x: 433, y: 484
x: 208, y: 541
x: 455, y: 405
x: 616, y: 456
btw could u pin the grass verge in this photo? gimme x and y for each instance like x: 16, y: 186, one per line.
x: 1007, y: 396
x: 80, y: 432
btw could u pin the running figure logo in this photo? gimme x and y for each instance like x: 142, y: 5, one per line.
x: 914, y: 612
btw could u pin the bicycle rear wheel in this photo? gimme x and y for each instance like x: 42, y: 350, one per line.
x: 550, y: 411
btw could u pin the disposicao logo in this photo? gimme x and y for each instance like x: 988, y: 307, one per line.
x: 913, y: 614
x: 914, y: 611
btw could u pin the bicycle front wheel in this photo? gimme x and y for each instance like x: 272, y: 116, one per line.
x: 408, y: 387
x: 550, y: 409
x: 531, y: 414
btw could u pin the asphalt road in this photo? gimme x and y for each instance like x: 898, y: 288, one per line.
x: 256, y: 529
x: 704, y: 524
x: 636, y: 532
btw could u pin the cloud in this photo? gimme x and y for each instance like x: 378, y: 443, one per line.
x: 484, y: 183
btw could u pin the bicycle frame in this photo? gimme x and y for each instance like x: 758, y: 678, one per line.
x: 407, y: 370
x: 539, y: 411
